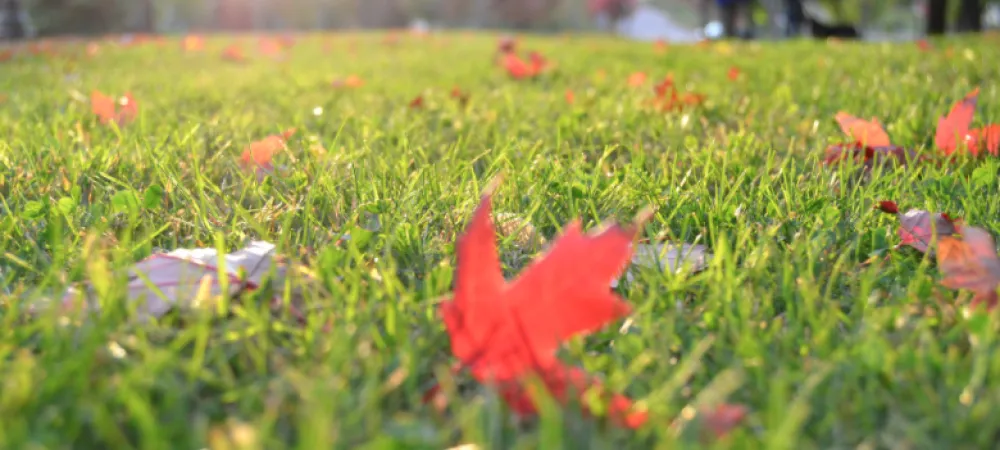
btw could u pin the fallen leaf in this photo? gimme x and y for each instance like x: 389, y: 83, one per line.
x: 417, y: 102
x: 868, y: 156
x: 259, y: 155
x: 351, y: 81
x: 660, y: 46
x: 637, y: 79
x: 506, y: 332
x: 984, y: 139
x: 108, y: 110
x: 193, y: 43
x: 919, y: 228
x: 269, y: 47
x: 516, y: 67
x: 734, y: 73
x: 233, y: 53
x: 953, y: 127
x: 864, y: 132
x: 723, y: 418
x: 175, y: 279
x: 460, y: 96
x: 970, y: 262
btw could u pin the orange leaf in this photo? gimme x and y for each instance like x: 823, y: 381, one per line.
x: 637, y: 79
x: 517, y: 67
x: 269, y: 47
x: 664, y: 87
x: 864, y: 132
x: 734, y: 73
x: 193, y: 43
x: 259, y: 155
x: 971, y: 263
x: 233, y: 53
x: 104, y: 107
x: 352, y: 81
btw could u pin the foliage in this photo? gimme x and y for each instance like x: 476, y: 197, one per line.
x: 803, y: 314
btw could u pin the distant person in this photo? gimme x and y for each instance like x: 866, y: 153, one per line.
x: 731, y: 10
x: 796, y: 16
x: 12, y: 20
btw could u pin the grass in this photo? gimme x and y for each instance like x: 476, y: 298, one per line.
x: 826, y: 350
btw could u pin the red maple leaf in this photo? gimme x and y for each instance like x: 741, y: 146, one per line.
x: 269, y: 47
x: 918, y: 228
x: 233, y: 53
x: 561, y: 382
x: 417, y: 102
x: 971, y: 263
x: 460, y: 96
x: 516, y: 67
x: 986, y: 138
x: 871, y: 144
x: 864, y: 132
x: 108, y: 110
x: 519, y: 69
x: 953, y: 132
x: 953, y: 128
x: 734, y: 73
x: 637, y: 79
x: 505, y: 332
x: 668, y: 99
x: 538, y: 62
x: 258, y: 156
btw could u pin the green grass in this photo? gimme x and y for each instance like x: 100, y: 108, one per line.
x: 826, y: 351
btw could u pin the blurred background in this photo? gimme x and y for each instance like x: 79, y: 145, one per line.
x: 671, y: 20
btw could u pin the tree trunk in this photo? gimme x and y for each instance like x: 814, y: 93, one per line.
x: 233, y: 15
x: 729, y: 13
x: 937, y: 12
x: 970, y: 15
x: 149, y: 17
x: 11, y: 26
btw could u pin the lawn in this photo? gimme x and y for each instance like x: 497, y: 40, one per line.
x: 807, y: 314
